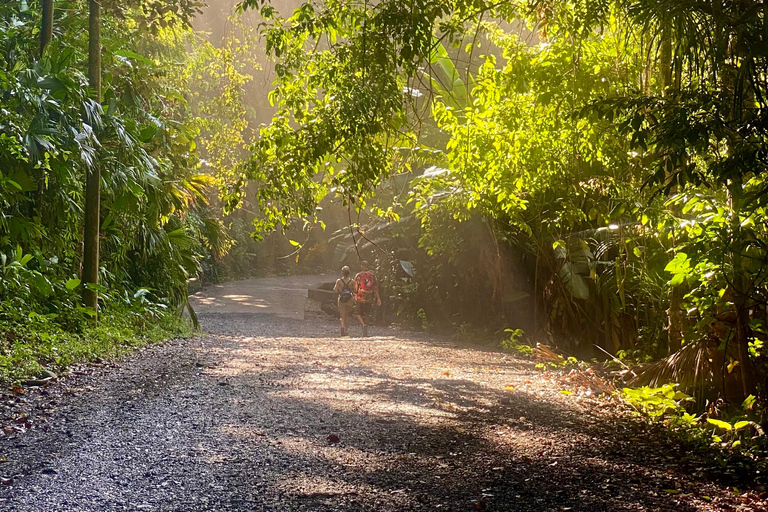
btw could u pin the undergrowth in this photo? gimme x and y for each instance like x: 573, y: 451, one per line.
x: 514, y: 344
x: 36, y: 344
x: 734, y: 442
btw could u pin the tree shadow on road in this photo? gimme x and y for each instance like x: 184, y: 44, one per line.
x: 447, y: 444
x: 241, y: 421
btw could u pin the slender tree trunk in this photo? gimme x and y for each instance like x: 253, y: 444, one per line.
x: 665, y: 60
x: 93, y: 179
x: 741, y: 286
x: 735, y: 83
x: 675, y: 311
x: 46, y: 28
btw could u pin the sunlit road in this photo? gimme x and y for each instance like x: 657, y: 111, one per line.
x: 282, y: 297
x: 269, y: 412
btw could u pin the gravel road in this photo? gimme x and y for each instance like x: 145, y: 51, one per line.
x: 272, y: 412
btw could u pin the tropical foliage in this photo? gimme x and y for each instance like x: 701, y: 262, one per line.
x: 588, y: 171
x: 612, y: 152
x: 154, y: 226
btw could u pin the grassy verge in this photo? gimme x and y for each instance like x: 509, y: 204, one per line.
x: 31, y: 348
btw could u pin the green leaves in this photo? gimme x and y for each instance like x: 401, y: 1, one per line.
x: 130, y: 55
x: 343, y: 110
x: 656, y: 402
x: 723, y: 425
x: 143, y: 139
x: 741, y: 424
x: 680, y: 267
x: 573, y: 282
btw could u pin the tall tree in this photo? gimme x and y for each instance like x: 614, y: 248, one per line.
x: 46, y: 29
x: 93, y: 180
x: 666, y: 86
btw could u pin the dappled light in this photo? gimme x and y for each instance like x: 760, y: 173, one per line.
x: 244, y: 300
x: 269, y: 411
x: 391, y: 410
x: 293, y: 255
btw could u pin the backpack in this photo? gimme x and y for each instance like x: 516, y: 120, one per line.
x: 346, y: 293
x: 365, y: 285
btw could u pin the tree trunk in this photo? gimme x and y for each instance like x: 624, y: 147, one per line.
x: 46, y: 27
x: 675, y: 311
x: 665, y: 60
x: 93, y: 180
x: 742, y: 298
x: 741, y: 282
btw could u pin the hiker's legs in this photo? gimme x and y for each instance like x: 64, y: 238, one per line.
x: 362, y: 315
x: 345, y: 320
x: 361, y: 319
x: 361, y: 311
x: 345, y: 308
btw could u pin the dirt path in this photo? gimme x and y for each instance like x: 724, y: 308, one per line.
x: 269, y: 412
x: 278, y: 297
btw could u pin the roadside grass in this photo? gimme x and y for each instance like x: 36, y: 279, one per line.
x: 32, y: 348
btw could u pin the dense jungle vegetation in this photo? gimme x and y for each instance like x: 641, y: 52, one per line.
x: 588, y: 174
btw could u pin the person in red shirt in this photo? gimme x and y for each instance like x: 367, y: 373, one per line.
x: 367, y: 290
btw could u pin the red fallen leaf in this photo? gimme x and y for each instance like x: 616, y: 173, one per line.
x: 18, y: 390
x: 333, y: 439
x: 6, y: 481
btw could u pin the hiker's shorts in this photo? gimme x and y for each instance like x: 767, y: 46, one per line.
x: 346, y: 308
x: 363, y: 308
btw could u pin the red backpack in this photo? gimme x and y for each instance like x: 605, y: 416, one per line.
x: 366, y: 282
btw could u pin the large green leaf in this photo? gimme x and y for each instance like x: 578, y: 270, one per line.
x: 720, y: 424
x: 573, y: 282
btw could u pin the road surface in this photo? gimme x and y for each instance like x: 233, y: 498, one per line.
x: 268, y: 411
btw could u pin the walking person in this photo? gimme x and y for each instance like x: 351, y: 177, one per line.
x: 367, y: 289
x: 346, y: 288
